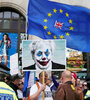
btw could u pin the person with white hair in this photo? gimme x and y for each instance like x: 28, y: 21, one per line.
x: 42, y: 52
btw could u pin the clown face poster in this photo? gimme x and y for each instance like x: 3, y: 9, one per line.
x: 44, y: 55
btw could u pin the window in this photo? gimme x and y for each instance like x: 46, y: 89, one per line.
x: 11, y: 19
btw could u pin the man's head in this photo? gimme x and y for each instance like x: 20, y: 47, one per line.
x: 42, y: 52
x: 41, y: 77
x: 3, y: 72
x: 49, y: 81
x: 16, y: 79
x: 66, y: 76
x: 84, y: 85
x: 20, y: 84
x: 78, y: 81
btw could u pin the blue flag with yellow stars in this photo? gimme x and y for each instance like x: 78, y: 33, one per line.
x: 51, y: 20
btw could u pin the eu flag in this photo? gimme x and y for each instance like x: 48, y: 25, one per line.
x: 51, y: 20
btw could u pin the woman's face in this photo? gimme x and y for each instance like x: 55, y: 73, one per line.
x: 5, y: 37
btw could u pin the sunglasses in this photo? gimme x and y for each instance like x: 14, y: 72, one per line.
x: 20, y: 83
x: 84, y: 84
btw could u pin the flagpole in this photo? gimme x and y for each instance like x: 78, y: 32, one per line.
x: 43, y: 83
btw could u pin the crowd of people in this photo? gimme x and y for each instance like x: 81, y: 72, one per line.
x: 11, y: 87
x: 68, y: 88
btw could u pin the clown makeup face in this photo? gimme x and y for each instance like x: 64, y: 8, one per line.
x: 42, y: 56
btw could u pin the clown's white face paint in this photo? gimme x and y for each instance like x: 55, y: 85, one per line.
x: 43, y: 56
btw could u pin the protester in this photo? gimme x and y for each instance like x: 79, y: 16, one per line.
x: 36, y: 91
x: 74, y: 79
x: 81, y: 85
x: 6, y: 92
x: 78, y: 82
x: 87, y: 95
x: 85, y: 88
x: 52, y: 86
x: 8, y: 79
x: 15, y: 81
x: 77, y: 87
x: 20, y: 90
x: 66, y: 90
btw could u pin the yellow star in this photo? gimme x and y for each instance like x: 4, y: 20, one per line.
x: 67, y: 14
x: 61, y: 11
x: 54, y: 10
x: 55, y: 37
x: 71, y: 28
x: 61, y: 37
x: 67, y: 34
x: 45, y: 20
x: 45, y: 27
x: 70, y: 21
x: 49, y: 14
x: 49, y: 33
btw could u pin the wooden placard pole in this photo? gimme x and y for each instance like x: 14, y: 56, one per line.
x: 43, y: 83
